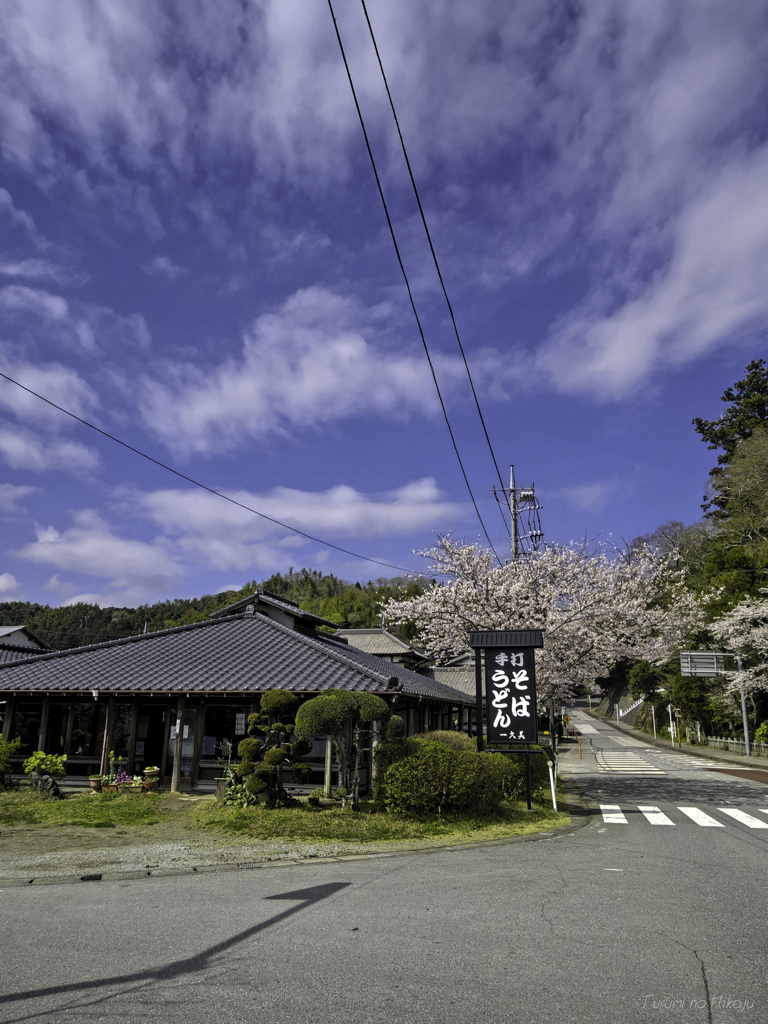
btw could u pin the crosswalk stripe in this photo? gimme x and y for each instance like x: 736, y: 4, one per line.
x: 655, y: 815
x: 700, y: 817
x: 613, y: 814
x: 625, y: 763
x: 743, y: 817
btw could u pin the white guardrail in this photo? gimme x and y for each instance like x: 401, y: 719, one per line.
x: 631, y: 707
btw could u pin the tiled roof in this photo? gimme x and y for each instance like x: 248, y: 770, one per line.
x: 289, y: 607
x: 460, y: 677
x: 377, y: 641
x: 237, y: 654
x: 14, y: 652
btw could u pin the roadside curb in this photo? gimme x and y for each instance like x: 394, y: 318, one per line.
x: 202, y: 869
x: 705, y: 752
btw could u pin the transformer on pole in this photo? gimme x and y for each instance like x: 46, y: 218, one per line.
x: 526, y: 532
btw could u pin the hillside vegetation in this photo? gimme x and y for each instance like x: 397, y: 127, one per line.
x: 351, y: 605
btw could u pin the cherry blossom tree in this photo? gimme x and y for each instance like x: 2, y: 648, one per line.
x: 744, y: 631
x: 594, y: 607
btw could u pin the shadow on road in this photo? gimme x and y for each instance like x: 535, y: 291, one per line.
x: 304, y: 897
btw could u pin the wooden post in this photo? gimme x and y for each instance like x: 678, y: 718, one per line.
x: 177, y: 748
x: 43, y: 723
x: 105, y: 748
x: 197, y: 746
x: 375, y: 740
x: 70, y: 727
x: 8, y: 717
x: 479, y: 699
x: 166, y: 734
x: 328, y: 780
x: 132, y: 737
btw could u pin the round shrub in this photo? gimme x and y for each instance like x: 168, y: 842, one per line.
x: 448, y: 738
x: 301, y: 772
x: 395, y: 729
x: 273, y: 757
x: 249, y: 749
x: 437, y: 779
x: 300, y: 748
x: 280, y: 703
x: 255, y: 785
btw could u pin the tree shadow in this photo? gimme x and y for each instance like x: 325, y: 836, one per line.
x: 304, y: 898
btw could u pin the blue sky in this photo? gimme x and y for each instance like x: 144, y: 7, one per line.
x: 194, y: 257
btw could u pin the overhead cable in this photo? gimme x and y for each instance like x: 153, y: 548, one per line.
x: 435, y: 260
x: 407, y: 282
x: 205, y: 487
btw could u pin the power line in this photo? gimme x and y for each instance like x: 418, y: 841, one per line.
x: 405, y: 278
x: 434, y: 255
x: 205, y: 487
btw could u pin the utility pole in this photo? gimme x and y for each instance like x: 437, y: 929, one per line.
x: 744, y: 718
x: 513, y: 512
x: 525, y: 537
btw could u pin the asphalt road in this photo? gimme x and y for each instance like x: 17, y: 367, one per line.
x: 614, y: 921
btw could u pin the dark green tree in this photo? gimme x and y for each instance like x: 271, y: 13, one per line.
x: 645, y: 679
x: 748, y: 400
x: 267, y: 748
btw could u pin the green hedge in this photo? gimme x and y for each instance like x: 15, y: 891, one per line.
x: 438, y: 780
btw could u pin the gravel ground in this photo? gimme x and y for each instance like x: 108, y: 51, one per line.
x: 173, y: 854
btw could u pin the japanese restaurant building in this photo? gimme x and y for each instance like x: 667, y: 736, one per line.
x: 134, y: 694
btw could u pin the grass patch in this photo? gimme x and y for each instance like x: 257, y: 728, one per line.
x: 89, y: 810
x: 308, y: 824
x: 327, y: 824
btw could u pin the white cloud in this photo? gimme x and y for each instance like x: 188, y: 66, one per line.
x: 24, y: 449
x: 711, y: 292
x: 307, y: 364
x: 204, y: 530
x: 58, y: 383
x: 163, y: 266
x: 95, y: 328
x: 92, y: 548
x: 35, y: 269
x: 7, y: 583
x: 589, y: 497
x: 10, y: 494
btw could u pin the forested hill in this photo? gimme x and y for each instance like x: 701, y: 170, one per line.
x: 353, y: 605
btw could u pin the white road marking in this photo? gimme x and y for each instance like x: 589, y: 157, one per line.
x: 625, y: 763
x: 700, y: 817
x: 613, y: 814
x: 655, y: 815
x: 743, y: 817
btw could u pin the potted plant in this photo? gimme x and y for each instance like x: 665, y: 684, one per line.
x: 151, y: 776
x: 151, y: 772
x: 96, y: 782
x: 108, y: 783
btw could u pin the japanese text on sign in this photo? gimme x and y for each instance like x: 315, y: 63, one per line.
x: 511, y: 696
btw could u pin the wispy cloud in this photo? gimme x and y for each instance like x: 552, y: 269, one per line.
x: 309, y: 363
x: 163, y: 266
x: 10, y: 495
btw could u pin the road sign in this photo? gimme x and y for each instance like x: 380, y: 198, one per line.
x: 566, y: 719
x: 702, y: 663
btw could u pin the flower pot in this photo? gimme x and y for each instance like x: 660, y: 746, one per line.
x: 111, y: 788
x: 138, y: 788
x: 150, y: 785
x: 95, y: 784
x: 153, y: 774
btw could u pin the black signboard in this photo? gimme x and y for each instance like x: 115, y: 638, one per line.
x: 510, y: 693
